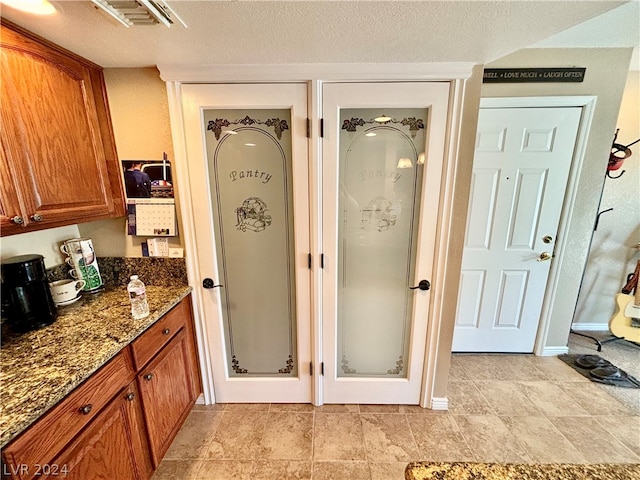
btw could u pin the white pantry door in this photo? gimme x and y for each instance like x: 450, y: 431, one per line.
x: 520, y: 172
x: 248, y: 173
x: 383, y: 150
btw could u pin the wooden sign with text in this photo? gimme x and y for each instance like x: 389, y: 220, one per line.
x: 533, y: 75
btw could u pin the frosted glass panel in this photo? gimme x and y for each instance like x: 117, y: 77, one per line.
x: 249, y: 160
x: 380, y: 174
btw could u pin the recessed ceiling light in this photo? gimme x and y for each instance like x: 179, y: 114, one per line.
x: 37, y: 7
x: 230, y: 132
x: 370, y: 134
x: 249, y: 144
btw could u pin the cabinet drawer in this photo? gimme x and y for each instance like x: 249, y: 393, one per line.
x: 151, y: 342
x: 48, y: 436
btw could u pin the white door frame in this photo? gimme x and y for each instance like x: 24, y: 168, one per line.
x: 315, y: 75
x: 587, y: 103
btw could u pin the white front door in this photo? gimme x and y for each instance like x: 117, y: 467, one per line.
x: 383, y: 150
x: 248, y: 174
x: 520, y: 172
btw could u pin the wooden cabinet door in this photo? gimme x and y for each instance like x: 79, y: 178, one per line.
x: 168, y: 393
x: 57, y: 148
x: 10, y: 211
x: 112, y: 446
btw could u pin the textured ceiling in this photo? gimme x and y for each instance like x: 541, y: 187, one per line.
x: 273, y: 32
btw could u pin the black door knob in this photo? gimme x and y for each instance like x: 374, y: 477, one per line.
x: 209, y: 283
x: 422, y: 285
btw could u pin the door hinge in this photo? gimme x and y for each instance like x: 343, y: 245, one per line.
x: 322, y: 260
x: 311, y: 368
x: 322, y: 127
x: 308, y: 128
x: 322, y: 368
x: 309, y: 261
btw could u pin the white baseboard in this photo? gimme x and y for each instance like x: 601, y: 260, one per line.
x: 554, y: 351
x: 590, y: 327
x: 439, y: 403
x: 200, y: 400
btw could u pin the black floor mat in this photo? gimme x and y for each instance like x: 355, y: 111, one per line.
x: 614, y: 376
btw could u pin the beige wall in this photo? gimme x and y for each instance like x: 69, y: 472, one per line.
x: 606, y: 71
x: 613, y: 251
x: 44, y: 242
x: 140, y: 116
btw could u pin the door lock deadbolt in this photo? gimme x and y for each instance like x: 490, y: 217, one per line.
x: 547, y: 239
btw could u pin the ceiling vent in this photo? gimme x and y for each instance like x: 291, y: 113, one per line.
x: 140, y: 12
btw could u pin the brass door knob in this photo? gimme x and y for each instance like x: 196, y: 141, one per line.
x: 544, y: 256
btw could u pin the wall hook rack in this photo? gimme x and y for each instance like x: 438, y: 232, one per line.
x: 618, y: 155
x: 617, y: 176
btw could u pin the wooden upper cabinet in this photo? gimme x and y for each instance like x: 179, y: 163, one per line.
x: 59, y: 163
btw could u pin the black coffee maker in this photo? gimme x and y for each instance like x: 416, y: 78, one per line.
x: 27, y: 302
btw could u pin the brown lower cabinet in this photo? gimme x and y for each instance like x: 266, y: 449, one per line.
x: 120, y: 422
x: 112, y: 446
x: 167, y: 394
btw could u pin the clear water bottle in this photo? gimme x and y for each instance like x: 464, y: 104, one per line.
x: 138, y: 297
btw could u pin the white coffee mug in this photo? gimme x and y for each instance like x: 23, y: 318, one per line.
x: 65, y: 290
x: 79, y: 248
x: 82, y: 258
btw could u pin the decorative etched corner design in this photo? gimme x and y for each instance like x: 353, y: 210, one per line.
x: 252, y: 215
x: 235, y: 364
x: 289, y: 367
x: 216, y: 126
x: 378, y: 215
x: 345, y: 366
x: 414, y: 124
x: 399, y: 367
x: 352, y: 371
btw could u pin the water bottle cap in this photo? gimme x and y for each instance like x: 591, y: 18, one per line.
x: 134, y: 277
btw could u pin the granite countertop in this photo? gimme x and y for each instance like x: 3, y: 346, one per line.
x: 39, y: 368
x: 512, y: 471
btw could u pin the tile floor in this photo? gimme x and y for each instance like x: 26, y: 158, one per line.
x: 502, y: 408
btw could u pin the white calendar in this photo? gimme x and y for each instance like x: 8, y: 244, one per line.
x: 151, y: 217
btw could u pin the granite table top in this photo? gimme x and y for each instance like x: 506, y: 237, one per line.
x: 512, y: 471
x: 39, y: 368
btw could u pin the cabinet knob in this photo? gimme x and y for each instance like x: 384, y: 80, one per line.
x: 130, y: 396
x: 86, y: 409
x: 36, y: 217
x: 166, y: 331
x: 148, y: 377
x: 18, y: 220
